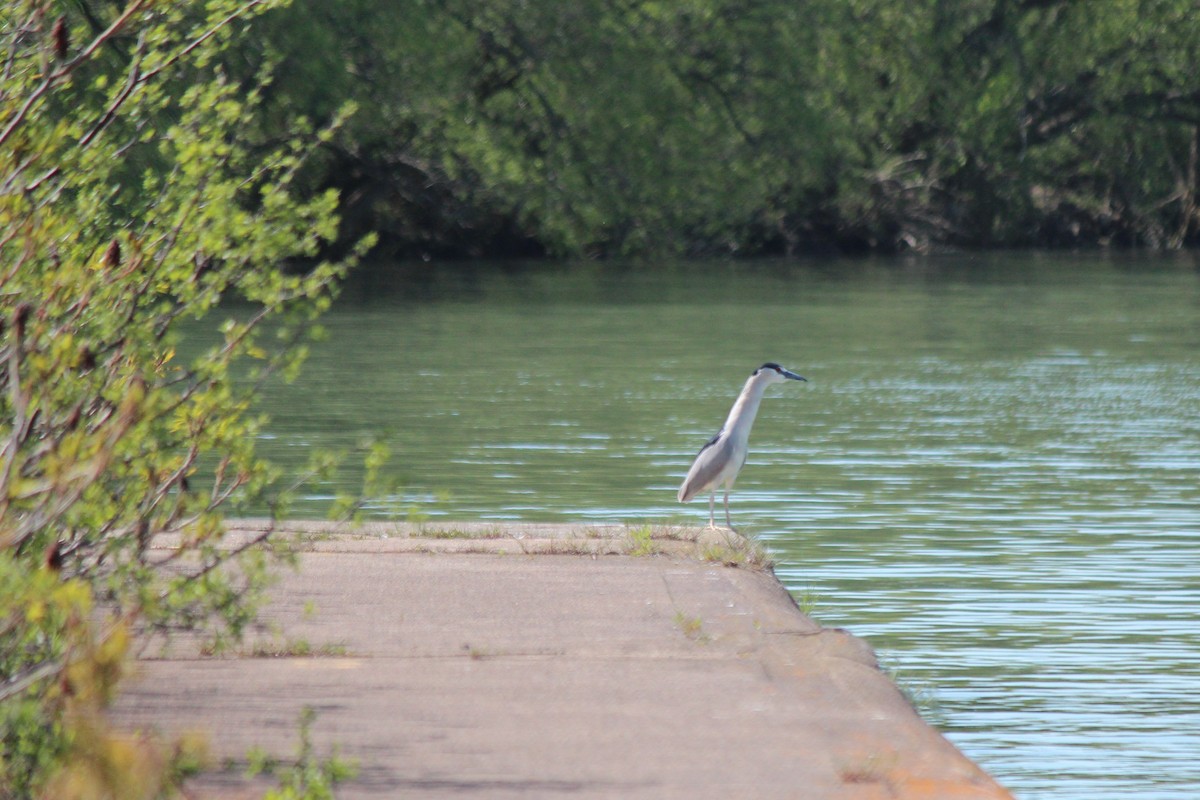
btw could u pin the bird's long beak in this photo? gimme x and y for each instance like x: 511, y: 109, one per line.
x: 785, y: 373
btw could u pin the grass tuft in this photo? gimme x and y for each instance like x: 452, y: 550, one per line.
x: 733, y: 550
x: 291, y: 648
x: 692, y: 627
x: 642, y: 541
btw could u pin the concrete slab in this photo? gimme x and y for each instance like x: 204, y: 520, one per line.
x: 468, y: 661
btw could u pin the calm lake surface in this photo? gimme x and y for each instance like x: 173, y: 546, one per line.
x: 993, y: 474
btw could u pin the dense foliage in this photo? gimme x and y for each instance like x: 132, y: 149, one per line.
x: 752, y: 126
x: 133, y: 195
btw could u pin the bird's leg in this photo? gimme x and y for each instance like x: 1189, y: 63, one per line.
x: 712, y: 502
x: 728, y: 521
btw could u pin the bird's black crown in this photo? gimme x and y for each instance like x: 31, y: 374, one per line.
x: 769, y: 365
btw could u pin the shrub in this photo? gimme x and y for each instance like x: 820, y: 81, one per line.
x: 134, y: 194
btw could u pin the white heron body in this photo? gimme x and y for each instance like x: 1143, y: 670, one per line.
x: 718, y: 463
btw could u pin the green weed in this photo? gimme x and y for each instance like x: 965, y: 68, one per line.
x: 692, y: 627
x: 309, y: 777
x: 642, y: 541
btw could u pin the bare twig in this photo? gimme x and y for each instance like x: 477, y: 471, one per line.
x: 21, y: 682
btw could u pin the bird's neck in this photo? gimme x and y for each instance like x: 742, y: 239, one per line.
x: 745, y: 409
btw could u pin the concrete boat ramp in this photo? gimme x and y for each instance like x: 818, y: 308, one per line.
x: 547, y: 661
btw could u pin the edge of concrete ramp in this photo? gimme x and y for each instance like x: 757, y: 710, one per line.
x: 518, y: 660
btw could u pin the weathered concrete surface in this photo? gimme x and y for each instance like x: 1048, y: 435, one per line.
x: 464, y: 661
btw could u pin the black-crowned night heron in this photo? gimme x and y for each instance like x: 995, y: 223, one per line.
x: 720, y: 461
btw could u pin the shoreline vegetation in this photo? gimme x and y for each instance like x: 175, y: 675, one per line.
x: 709, y: 128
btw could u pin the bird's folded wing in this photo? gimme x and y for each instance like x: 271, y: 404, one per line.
x: 707, y: 468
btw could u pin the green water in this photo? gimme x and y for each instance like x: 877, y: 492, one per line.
x: 993, y: 473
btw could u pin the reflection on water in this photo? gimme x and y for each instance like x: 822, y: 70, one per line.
x: 992, y: 475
